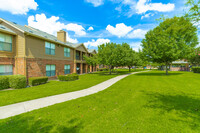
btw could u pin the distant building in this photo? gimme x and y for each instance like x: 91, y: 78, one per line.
x: 180, y: 65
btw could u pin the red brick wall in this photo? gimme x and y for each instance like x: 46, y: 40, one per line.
x: 8, y: 61
x: 20, y: 66
x: 36, y: 67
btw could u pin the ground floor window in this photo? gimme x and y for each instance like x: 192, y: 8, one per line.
x: 6, y: 70
x: 50, y: 70
x: 67, y: 69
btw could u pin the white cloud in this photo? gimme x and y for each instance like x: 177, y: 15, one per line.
x: 147, y: 15
x: 136, y: 46
x: 52, y: 25
x: 143, y: 6
x: 97, y: 42
x: 78, y: 29
x: 49, y: 25
x: 69, y: 39
x: 90, y: 28
x: 18, y: 6
x: 95, y: 2
x: 137, y: 34
x: 120, y: 30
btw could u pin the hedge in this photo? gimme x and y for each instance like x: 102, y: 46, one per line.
x: 4, y: 82
x: 102, y: 69
x: 17, y: 81
x: 69, y: 77
x: 33, y: 81
x: 196, y: 69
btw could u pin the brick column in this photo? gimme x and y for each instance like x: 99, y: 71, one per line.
x: 74, y: 71
x: 90, y: 68
x: 86, y: 67
x: 81, y: 68
x: 20, y: 63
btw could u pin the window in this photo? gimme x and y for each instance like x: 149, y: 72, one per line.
x: 67, y: 69
x: 50, y: 70
x: 77, y: 55
x: 6, y: 69
x: 67, y: 52
x: 49, y: 48
x: 5, y: 42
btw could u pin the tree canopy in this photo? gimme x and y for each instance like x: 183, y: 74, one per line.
x: 194, y: 10
x: 195, y: 57
x: 173, y: 39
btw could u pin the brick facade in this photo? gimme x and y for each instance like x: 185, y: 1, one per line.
x: 36, y: 67
x: 8, y: 61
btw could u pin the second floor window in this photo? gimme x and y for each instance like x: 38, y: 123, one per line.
x: 77, y: 55
x: 49, y: 48
x: 67, y: 52
x: 5, y: 42
x: 67, y: 69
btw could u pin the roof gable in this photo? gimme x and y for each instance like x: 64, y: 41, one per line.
x: 81, y: 47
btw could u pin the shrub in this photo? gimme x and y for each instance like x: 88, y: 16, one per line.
x: 74, y: 76
x: 196, y: 69
x: 69, y: 77
x: 63, y: 78
x: 17, y: 81
x: 33, y: 81
x: 4, y: 82
x: 102, y: 69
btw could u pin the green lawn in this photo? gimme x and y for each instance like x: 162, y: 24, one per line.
x: 148, y: 102
x: 55, y: 87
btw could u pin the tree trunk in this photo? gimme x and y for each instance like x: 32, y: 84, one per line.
x: 166, y: 69
x: 110, y: 69
x: 129, y: 68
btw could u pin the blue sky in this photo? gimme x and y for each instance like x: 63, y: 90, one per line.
x: 92, y: 21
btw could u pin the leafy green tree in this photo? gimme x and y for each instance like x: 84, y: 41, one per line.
x: 130, y: 59
x: 92, y: 60
x: 195, y: 57
x: 194, y: 10
x: 173, y: 39
x: 107, y: 55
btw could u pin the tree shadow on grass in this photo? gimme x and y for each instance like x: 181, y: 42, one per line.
x: 113, y: 73
x: 33, y: 125
x: 184, y: 105
x: 157, y: 74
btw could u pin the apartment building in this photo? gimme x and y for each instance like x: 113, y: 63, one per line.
x: 31, y: 52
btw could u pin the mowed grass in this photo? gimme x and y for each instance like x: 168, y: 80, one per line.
x: 148, y: 102
x: 56, y: 87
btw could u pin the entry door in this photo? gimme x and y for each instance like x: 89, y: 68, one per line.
x: 78, y: 68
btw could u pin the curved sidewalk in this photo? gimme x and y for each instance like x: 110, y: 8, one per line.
x: 22, y: 107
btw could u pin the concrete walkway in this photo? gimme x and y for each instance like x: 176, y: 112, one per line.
x: 19, y: 108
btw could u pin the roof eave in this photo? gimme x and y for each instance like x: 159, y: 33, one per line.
x: 11, y: 25
x: 8, y: 32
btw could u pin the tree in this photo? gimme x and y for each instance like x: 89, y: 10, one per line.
x: 194, y: 10
x: 92, y: 60
x: 107, y: 55
x: 173, y: 39
x: 195, y: 57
